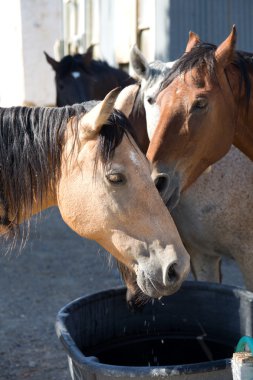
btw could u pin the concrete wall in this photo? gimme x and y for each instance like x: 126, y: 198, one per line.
x: 115, y: 25
x: 27, y: 28
x: 117, y: 32
x: 41, y: 26
x: 11, y: 67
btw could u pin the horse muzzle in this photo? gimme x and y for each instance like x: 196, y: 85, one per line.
x: 155, y: 289
x: 164, y: 280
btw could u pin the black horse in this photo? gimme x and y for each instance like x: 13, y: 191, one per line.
x: 80, y: 78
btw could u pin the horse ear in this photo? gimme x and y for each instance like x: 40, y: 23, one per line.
x: 126, y: 99
x: 92, y: 122
x: 139, y: 63
x: 192, y: 41
x: 52, y: 62
x: 225, y: 51
x: 87, y: 57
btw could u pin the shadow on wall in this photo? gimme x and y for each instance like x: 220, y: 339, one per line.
x: 211, y: 19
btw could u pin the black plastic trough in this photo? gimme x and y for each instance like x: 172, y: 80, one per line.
x: 190, y: 335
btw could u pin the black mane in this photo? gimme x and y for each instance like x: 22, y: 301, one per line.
x: 31, y: 144
x: 202, y: 55
x: 112, y: 133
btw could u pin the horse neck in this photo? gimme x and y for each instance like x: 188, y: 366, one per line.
x: 26, y: 180
x: 49, y: 199
x: 243, y: 138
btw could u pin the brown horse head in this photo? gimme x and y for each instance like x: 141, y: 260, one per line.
x: 116, y: 203
x: 199, y: 113
x: 85, y: 161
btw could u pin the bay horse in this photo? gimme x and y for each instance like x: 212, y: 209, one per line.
x: 80, y: 78
x: 205, y: 107
x: 214, y: 215
x: 84, y: 160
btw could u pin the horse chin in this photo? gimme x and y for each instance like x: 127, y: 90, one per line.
x: 136, y: 300
x: 155, y: 291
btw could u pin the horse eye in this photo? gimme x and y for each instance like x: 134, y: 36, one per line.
x: 150, y: 100
x: 199, y: 104
x: 116, y: 178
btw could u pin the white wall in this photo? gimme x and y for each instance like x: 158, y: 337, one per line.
x: 41, y: 26
x: 27, y: 28
x: 118, y: 24
x: 11, y: 65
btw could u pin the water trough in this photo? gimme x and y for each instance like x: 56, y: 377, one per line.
x: 190, y: 335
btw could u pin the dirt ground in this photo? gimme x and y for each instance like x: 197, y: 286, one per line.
x: 55, y: 267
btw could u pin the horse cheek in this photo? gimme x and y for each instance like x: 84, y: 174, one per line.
x: 79, y: 208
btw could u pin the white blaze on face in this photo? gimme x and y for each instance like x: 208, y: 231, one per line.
x: 134, y: 158
x: 75, y: 74
x: 152, y: 109
x: 152, y: 119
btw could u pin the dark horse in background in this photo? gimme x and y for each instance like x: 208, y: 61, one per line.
x: 80, y: 78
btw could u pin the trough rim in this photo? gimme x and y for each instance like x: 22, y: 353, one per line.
x: 89, y: 363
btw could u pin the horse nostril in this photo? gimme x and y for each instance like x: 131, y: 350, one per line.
x: 172, y: 275
x: 161, y: 183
